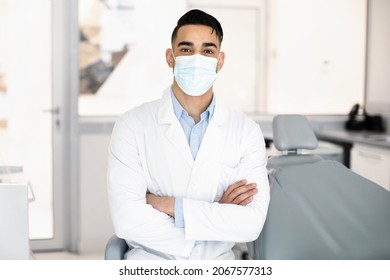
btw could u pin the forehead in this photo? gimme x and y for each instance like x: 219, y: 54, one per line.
x: 198, y: 34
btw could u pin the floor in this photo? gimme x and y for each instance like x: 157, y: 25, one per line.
x: 64, y: 256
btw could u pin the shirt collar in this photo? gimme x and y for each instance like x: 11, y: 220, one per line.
x: 179, y: 110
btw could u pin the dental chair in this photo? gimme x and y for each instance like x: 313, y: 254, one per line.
x: 319, y: 209
x: 116, y: 248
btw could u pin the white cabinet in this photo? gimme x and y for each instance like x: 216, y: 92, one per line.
x: 14, y: 240
x: 372, y: 163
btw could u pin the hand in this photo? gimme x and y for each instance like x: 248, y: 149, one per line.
x: 239, y: 193
x: 163, y: 204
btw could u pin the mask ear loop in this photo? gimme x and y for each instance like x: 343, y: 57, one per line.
x: 173, y: 55
x: 219, y: 55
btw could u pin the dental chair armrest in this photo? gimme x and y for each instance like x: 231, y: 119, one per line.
x: 115, y: 248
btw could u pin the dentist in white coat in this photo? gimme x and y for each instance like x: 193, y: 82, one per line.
x: 187, y: 176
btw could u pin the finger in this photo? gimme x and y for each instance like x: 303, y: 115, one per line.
x: 246, y: 201
x: 235, y: 186
x: 149, y: 198
x: 241, y: 190
x: 244, y: 196
x: 233, y: 196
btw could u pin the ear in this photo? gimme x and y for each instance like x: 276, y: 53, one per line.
x: 169, y: 58
x: 221, y: 60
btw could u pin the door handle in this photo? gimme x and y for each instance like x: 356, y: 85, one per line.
x: 54, y: 111
x: 372, y: 156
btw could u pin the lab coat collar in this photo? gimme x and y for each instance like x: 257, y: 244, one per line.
x: 180, y: 112
x: 174, y: 132
x: 166, y: 114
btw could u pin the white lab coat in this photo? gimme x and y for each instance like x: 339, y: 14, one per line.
x: 149, y: 153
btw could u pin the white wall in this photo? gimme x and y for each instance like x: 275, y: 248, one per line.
x: 25, y: 48
x: 241, y: 81
x: 95, y: 220
x: 378, y: 59
x: 316, y: 59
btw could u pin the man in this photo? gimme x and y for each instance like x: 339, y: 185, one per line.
x: 186, y: 176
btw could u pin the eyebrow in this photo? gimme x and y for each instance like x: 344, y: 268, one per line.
x: 190, y: 44
x: 185, y: 43
x: 207, y: 44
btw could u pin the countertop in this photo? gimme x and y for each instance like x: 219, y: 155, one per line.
x: 10, y: 169
x: 350, y: 137
x: 345, y: 139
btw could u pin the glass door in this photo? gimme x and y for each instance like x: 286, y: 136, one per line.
x: 30, y: 115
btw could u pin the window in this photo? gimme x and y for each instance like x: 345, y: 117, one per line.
x: 308, y: 58
x: 122, y: 53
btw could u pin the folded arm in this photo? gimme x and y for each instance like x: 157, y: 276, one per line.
x: 241, y: 212
x: 239, y: 193
x: 133, y: 218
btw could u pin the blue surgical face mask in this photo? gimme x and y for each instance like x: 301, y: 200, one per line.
x: 195, y: 74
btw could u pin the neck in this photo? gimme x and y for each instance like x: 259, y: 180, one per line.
x: 194, y: 105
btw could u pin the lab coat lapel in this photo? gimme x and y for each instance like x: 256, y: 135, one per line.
x: 212, y: 141
x: 172, y: 128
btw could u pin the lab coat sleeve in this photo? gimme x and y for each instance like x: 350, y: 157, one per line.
x: 135, y: 220
x: 229, y: 222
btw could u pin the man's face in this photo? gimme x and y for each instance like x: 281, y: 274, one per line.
x: 196, y: 39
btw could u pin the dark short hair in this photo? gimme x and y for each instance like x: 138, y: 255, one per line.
x: 198, y: 17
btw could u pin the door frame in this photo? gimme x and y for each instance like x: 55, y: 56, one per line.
x: 65, y: 137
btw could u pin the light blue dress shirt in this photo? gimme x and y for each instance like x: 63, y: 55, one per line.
x: 194, y: 133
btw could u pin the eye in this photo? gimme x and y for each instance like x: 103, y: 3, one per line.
x: 185, y: 50
x: 208, y: 52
